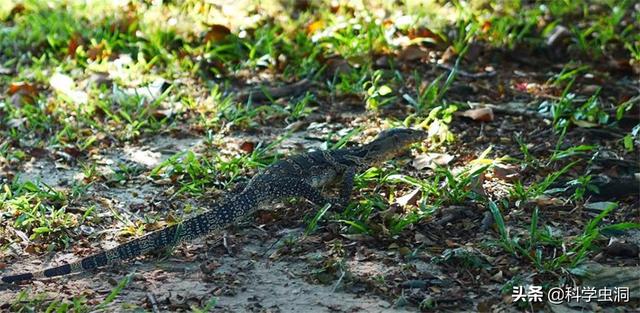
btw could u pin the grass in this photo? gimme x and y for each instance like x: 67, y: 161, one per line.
x: 39, y: 212
x: 41, y: 302
x: 195, y: 173
x: 533, y: 248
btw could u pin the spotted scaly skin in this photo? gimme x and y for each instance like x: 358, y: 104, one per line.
x: 303, y: 176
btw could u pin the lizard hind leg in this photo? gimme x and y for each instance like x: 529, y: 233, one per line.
x: 292, y: 187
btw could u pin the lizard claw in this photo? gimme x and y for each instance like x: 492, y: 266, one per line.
x: 337, y: 204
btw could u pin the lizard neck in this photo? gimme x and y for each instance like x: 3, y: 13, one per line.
x: 365, y: 156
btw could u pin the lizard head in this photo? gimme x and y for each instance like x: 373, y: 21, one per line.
x: 392, y: 142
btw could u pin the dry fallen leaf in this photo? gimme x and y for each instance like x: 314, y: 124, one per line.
x: 73, y: 45
x: 547, y: 201
x: 337, y: 66
x: 486, y: 26
x: 410, y: 198
x: 22, y: 88
x: 125, y: 25
x: 423, y: 32
x: 216, y: 32
x: 5, y: 70
x: 635, y: 65
x: 431, y: 160
x: 448, y: 54
x: 16, y: 122
x: 98, y: 52
x: 65, y: 85
x: 583, y: 123
x: 412, y: 53
x: 247, y: 146
x: 506, y: 172
x: 21, y: 92
x: 560, y: 35
x: 477, y: 184
x: 480, y: 114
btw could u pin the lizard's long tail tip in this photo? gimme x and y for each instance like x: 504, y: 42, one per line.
x: 51, y: 272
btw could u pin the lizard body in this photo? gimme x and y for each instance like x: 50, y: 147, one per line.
x: 301, y: 176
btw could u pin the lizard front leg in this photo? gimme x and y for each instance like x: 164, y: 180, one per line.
x: 346, y: 187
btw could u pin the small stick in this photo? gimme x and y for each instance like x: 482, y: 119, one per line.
x: 467, y: 74
x: 224, y: 243
x: 154, y: 303
x: 272, y: 93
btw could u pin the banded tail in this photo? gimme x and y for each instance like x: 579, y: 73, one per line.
x: 194, y: 227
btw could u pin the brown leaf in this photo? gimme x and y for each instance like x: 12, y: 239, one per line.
x: 129, y: 22
x: 486, y: 26
x: 412, y: 53
x: 448, y: 54
x: 337, y: 66
x: 125, y: 24
x: 479, y: 114
x: 506, y: 172
x: 98, y: 52
x: 265, y: 217
x: 38, y: 152
x: 404, y: 251
x: 73, y: 151
x: 423, y: 32
x: 33, y: 249
x: 247, y: 146
x: 22, y: 92
x: 546, y: 201
x: 163, y: 113
x: 216, y: 32
x: 22, y: 88
x: 73, y: 45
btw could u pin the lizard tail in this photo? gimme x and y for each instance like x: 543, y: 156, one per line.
x: 194, y: 227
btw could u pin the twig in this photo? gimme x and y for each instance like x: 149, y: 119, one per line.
x: 342, y: 273
x: 270, y: 247
x: 224, y: 243
x: 467, y: 74
x: 513, y: 108
x: 272, y: 93
x: 154, y: 303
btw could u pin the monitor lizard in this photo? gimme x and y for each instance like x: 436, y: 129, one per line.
x: 303, y: 176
